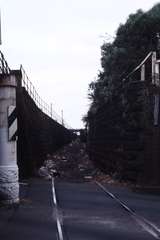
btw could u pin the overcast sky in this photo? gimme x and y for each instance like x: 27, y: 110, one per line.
x: 58, y: 43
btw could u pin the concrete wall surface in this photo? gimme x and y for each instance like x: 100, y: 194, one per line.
x: 38, y: 135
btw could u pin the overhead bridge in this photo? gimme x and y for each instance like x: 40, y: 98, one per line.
x: 81, y: 133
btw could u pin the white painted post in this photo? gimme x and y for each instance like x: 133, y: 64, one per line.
x: 143, y: 72
x: 157, y: 74
x: 156, y: 109
x: 154, y: 58
x: 9, y: 186
x: 155, y: 81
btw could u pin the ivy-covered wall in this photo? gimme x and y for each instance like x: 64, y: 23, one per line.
x: 122, y: 138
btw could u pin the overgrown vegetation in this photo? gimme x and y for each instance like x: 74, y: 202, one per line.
x: 134, y: 40
x: 120, y: 118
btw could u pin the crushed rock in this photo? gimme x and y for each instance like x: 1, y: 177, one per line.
x: 71, y: 163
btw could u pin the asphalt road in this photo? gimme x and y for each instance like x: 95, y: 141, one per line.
x: 147, y: 205
x: 33, y: 220
x: 86, y: 213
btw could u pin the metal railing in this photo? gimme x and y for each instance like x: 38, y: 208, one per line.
x: 154, y: 79
x: 27, y: 84
x: 4, y: 68
x: 141, y: 68
x: 40, y: 103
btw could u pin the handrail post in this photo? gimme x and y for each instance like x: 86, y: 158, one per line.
x: 157, y: 74
x: 143, y: 72
x: 154, y: 58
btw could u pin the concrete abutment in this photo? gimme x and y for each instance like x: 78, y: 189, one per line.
x: 9, y: 186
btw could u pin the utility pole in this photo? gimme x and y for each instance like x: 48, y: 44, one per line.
x: 158, y: 45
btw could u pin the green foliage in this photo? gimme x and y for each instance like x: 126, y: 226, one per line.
x: 134, y: 40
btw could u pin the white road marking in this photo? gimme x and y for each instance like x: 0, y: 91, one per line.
x: 147, y: 225
x: 58, y: 219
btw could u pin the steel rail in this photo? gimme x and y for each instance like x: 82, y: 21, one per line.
x: 147, y: 225
x: 56, y: 213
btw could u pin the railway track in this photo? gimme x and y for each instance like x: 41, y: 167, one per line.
x: 148, y: 227
x: 56, y: 214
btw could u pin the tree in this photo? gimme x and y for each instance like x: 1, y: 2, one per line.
x: 134, y: 40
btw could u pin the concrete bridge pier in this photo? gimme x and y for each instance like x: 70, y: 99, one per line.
x: 9, y: 186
